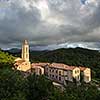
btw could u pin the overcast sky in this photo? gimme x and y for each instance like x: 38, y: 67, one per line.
x: 50, y: 24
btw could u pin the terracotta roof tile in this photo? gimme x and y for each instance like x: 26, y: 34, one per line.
x: 17, y: 59
x: 62, y: 66
x: 57, y: 65
x: 82, y: 68
x: 69, y: 67
x: 39, y: 64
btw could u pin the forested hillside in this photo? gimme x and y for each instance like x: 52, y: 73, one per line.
x: 6, y: 59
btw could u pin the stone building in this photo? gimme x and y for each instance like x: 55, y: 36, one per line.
x: 38, y: 68
x: 85, y: 74
x: 62, y: 73
x: 23, y: 64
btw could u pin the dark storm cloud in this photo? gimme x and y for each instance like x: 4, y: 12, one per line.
x: 49, y: 22
x: 17, y: 23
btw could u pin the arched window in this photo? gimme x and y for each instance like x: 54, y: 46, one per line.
x: 26, y: 49
x: 26, y: 55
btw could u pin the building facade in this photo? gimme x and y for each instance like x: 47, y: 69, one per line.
x: 23, y: 64
x: 38, y: 68
x: 62, y: 73
x: 85, y: 74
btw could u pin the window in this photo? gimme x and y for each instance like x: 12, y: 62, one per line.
x: 26, y: 55
x: 59, y: 72
x: 76, y: 71
x: 52, y: 76
x: 78, y: 77
x: 16, y: 65
x: 59, y: 78
x: 47, y: 68
x: 56, y: 71
x: 26, y: 49
x: 56, y: 77
x: 87, y: 77
x: 52, y: 70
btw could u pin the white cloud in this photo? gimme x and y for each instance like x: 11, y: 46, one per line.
x: 88, y: 45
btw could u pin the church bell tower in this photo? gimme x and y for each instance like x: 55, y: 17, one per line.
x: 25, y: 51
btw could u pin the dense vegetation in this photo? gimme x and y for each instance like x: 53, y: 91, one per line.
x: 6, y: 59
x: 13, y: 86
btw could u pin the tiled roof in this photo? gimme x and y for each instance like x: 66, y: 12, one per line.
x: 69, y: 67
x: 19, y: 62
x: 17, y: 59
x: 57, y: 65
x: 25, y: 42
x: 62, y: 66
x: 82, y: 68
x: 39, y: 64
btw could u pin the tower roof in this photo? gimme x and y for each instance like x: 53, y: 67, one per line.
x: 25, y: 42
x: 17, y: 59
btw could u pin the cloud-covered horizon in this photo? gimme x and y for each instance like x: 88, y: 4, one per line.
x: 50, y: 23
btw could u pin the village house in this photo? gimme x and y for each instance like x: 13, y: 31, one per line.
x: 56, y: 72
x: 85, y: 74
x: 38, y: 68
x: 62, y: 73
x: 22, y: 65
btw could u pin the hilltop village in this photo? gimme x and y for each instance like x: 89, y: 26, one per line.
x: 57, y: 72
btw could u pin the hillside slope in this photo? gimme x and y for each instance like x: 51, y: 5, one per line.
x: 6, y: 59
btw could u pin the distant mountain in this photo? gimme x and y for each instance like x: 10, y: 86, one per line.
x: 17, y: 52
x: 60, y: 55
x: 14, y: 50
